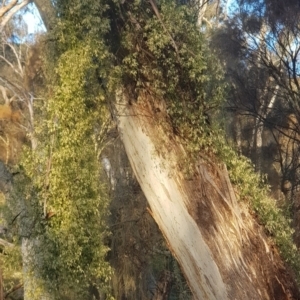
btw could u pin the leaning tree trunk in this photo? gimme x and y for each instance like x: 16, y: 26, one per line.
x: 222, y: 251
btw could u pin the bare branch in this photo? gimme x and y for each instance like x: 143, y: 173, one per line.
x: 9, y: 63
x: 8, y: 14
x: 18, y: 58
x: 5, y: 243
x: 5, y: 8
x: 4, y: 94
x: 13, y: 289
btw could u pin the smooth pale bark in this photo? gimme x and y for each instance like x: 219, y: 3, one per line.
x: 222, y: 254
x: 258, y: 143
x: 201, y: 6
x: 257, y: 132
x: 220, y: 248
x: 169, y: 211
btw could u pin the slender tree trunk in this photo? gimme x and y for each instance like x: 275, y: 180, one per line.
x: 258, y: 144
x: 237, y: 123
x: 33, y: 286
x: 202, y: 6
x: 163, y: 287
x: 258, y: 129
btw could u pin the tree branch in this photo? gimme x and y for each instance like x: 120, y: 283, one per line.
x: 13, y: 289
x: 154, y: 7
x: 10, y: 12
x: 5, y: 243
x: 5, y: 8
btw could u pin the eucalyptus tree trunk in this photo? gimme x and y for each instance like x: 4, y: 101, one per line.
x: 222, y: 251
x: 202, y: 6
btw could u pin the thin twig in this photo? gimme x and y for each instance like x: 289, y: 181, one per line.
x: 13, y: 289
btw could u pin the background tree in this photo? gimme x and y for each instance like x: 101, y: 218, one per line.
x: 16, y: 112
x: 8, y: 9
x: 143, y: 266
x: 73, y: 116
x: 263, y: 49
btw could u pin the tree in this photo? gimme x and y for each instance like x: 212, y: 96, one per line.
x: 16, y: 112
x: 34, y: 215
x: 164, y: 89
x: 265, y: 94
x: 152, y: 51
x: 143, y: 266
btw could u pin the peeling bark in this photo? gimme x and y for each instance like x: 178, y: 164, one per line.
x: 221, y: 249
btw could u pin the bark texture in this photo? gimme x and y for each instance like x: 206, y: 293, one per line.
x: 221, y: 249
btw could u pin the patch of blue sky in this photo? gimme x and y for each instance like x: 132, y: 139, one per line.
x: 288, y: 51
x: 231, y: 7
x: 256, y: 7
x: 28, y: 25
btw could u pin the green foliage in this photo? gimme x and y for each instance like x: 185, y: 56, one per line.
x: 253, y: 189
x: 10, y: 251
x: 167, y: 57
x: 11, y: 264
x: 64, y: 170
x: 174, y: 67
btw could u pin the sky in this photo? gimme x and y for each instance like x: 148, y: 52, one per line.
x: 33, y: 20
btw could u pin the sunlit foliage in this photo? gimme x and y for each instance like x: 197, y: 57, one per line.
x: 64, y: 169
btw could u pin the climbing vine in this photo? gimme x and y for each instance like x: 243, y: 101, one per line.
x: 64, y: 170
x: 167, y: 57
